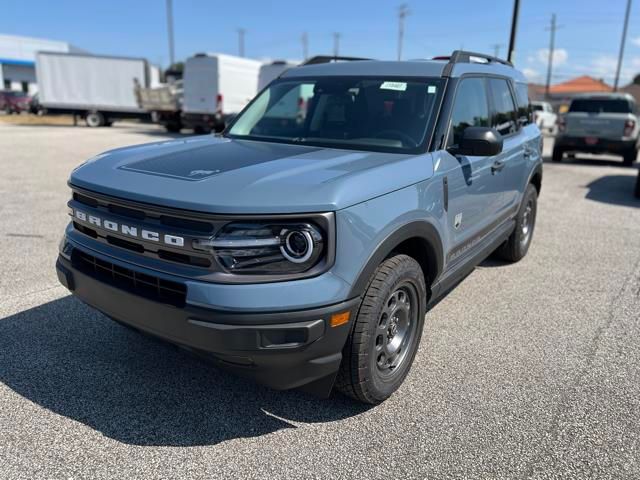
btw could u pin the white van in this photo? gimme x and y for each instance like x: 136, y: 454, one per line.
x: 271, y: 71
x: 216, y: 87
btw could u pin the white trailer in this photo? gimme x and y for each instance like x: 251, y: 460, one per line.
x: 99, y: 89
x: 216, y: 88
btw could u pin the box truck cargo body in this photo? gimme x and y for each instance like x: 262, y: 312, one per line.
x: 100, y: 89
x: 217, y: 87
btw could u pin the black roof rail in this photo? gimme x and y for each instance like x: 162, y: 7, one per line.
x: 462, y: 56
x: 331, y: 58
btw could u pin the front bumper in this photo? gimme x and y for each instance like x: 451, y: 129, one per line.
x: 281, y: 350
x: 602, y: 145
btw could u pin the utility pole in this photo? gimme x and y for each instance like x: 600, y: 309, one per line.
x: 241, y: 32
x: 170, y: 32
x: 336, y: 44
x: 552, y: 45
x: 514, y: 29
x: 622, y: 42
x: 305, y: 46
x: 403, y: 11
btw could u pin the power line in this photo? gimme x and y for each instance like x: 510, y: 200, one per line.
x: 336, y: 43
x: 241, y: 33
x: 622, y: 42
x: 403, y: 11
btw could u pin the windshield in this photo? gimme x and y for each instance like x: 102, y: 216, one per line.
x: 601, y: 106
x: 380, y: 114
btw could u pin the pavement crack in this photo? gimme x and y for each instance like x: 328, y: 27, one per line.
x: 565, y: 398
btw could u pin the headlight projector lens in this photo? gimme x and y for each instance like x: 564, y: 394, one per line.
x: 298, y: 245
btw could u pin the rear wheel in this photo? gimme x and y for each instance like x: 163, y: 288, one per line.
x: 557, y: 154
x: 386, y: 333
x: 630, y: 156
x: 517, y: 245
x: 638, y: 185
x: 94, y: 119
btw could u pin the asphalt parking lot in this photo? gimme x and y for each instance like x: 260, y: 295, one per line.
x: 525, y: 371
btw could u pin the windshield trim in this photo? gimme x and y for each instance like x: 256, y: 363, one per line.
x: 418, y: 149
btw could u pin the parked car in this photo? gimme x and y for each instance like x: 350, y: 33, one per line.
x: 599, y: 123
x: 543, y: 116
x: 305, y: 251
x: 14, y: 102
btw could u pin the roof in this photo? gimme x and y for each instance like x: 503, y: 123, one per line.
x: 409, y: 68
x: 583, y: 84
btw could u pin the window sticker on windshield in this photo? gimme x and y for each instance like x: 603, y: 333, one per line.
x: 431, y: 89
x: 399, y: 86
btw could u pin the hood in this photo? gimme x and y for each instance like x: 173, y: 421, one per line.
x: 220, y: 175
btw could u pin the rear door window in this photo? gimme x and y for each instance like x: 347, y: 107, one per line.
x: 503, y: 117
x: 470, y: 108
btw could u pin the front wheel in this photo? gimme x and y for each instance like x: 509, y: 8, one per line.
x: 386, y: 332
x: 517, y: 245
x: 557, y: 154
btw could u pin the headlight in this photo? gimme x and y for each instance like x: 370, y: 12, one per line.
x: 267, y: 248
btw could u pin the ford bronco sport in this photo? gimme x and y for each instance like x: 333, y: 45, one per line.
x: 600, y: 123
x: 304, y: 245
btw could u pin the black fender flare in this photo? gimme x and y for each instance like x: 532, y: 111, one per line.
x: 537, y: 170
x: 421, y: 229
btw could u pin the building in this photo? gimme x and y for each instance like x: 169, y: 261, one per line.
x: 17, y: 60
x: 633, y: 89
x: 561, y: 94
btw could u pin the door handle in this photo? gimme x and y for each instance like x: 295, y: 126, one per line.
x: 497, y: 166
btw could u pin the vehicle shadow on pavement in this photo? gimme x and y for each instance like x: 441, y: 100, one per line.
x: 614, y: 189
x: 70, y: 359
x: 589, y: 161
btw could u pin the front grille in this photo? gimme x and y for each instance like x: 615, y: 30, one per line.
x: 198, y: 226
x: 148, y: 286
x: 149, y: 217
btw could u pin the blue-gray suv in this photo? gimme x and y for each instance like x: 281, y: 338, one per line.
x: 304, y: 246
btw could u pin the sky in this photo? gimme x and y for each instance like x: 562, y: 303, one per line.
x: 587, y: 41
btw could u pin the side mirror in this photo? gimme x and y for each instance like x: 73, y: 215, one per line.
x: 478, y: 142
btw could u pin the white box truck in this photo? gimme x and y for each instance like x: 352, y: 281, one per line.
x: 99, y: 89
x: 216, y: 88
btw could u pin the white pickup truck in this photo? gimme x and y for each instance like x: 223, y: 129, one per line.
x: 543, y: 116
x: 600, y: 123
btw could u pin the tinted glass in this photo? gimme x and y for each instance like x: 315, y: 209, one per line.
x: 504, y: 114
x: 600, y: 106
x: 524, y: 109
x: 470, y: 108
x: 537, y: 107
x: 342, y: 112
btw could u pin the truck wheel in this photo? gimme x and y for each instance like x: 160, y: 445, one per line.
x: 386, y: 333
x: 557, y: 154
x: 517, y: 245
x: 629, y: 157
x: 173, y: 127
x: 94, y: 119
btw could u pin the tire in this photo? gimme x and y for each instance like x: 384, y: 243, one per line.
x: 637, y: 192
x: 517, y: 245
x: 557, y: 154
x: 397, y: 291
x: 94, y: 119
x: 173, y: 127
x: 629, y: 157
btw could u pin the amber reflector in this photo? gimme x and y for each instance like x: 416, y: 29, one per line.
x: 338, y: 319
